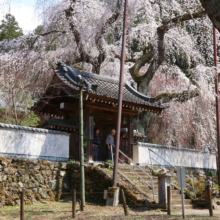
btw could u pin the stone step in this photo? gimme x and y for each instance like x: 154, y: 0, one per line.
x: 148, y: 190
x: 177, y: 196
x: 179, y: 201
x: 139, y: 173
x: 146, y: 187
x: 140, y: 181
x: 146, y: 178
x: 179, y: 207
x: 147, y: 170
x: 175, y: 191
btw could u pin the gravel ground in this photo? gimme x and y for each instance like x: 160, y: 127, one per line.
x: 62, y: 210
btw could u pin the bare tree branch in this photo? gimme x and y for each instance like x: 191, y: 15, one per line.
x: 212, y: 8
x: 157, y: 59
x: 186, y: 17
x: 179, y: 97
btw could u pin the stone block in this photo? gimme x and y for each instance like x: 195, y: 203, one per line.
x: 21, y: 171
x: 52, y: 185
x: 75, y: 165
x: 62, y: 173
x: 43, y: 193
x: 75, y: 175
x: 39, y: 178
x: 46, y: 172
x: 89, y: 181
x: 37, y: 167
x: 62, y: 165
x: 28, y: 202
x: 113, y: 196
x: 88, y: 187
x: 21, y: 184
x: 9, y: 170
x: 15, y: 185
x: 14, y: 178
x: 9, y: 202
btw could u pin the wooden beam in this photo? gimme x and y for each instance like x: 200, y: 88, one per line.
x: 110, y: 108
x: 68, y: 106
x: 128, y: 105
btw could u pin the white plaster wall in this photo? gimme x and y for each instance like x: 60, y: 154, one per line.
x: 177, y: 157
x: 37, y: 144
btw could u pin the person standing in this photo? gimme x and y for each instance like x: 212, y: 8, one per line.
x: 110, y: 142
x: 95, y: 145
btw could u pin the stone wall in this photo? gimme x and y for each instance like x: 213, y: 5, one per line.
x: 42, y: 179
x: 33, y: 143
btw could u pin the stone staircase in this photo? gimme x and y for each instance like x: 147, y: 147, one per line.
x: 144, y: 188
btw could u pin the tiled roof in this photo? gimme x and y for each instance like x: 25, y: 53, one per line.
x: 60, y: 123
x: 102, y: 86
x: 40, y: 130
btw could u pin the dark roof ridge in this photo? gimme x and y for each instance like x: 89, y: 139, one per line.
x: 96, y: 76
x: 138, y: 94
x: 108, y: 79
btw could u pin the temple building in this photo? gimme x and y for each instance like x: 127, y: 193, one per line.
x: 59, y: 107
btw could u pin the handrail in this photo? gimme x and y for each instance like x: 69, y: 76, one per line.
x: 172, y: 166
x: 142, y: 171
x: 134, y: 172
x: 162, y: 158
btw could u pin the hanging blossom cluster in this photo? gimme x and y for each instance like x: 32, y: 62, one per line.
x: 190, y: 124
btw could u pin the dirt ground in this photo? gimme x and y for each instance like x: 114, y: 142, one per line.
x: 62, y: 210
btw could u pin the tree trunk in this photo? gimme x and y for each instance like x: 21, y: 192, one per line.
x: 212, y: 8
x: 14, y: 106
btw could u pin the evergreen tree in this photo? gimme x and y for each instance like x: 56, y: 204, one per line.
x: 9, y: 28
x: 38, y: 29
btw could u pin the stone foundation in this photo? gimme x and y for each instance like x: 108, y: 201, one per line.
x: 42, y: 179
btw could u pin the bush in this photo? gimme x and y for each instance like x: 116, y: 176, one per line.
x: 109, y: 161
x: 199, y: 186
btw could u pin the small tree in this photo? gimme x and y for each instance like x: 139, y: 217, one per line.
x: 9, y: 28
x: 38, y: 29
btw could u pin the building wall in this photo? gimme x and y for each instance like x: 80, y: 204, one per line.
x: 189, y: 158
x: 33, y: 143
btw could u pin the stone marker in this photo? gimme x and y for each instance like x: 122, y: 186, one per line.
x: 164, y: 180
x: 113, y: 196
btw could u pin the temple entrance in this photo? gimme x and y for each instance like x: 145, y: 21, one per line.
x: 105, y: 121
x: 61, y: 103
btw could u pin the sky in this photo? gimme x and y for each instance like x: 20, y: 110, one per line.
x: 24, y: 12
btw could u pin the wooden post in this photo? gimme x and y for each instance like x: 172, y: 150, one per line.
x: 124, y: 202
x: 130, y: 136
x: 209, y: 197
x: 82, y: 168
x: 22, y: 205
x: 89, y: 138
x: 168, y: 200
x: 74, y: 204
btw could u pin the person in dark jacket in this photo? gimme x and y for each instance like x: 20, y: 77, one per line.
x: 95, y: 145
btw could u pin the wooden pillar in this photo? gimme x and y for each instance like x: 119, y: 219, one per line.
x: 130, y: 136
x: 89, y: 126
x: 74, y: 145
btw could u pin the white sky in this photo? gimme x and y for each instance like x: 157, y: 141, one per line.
x: 24, y: 12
